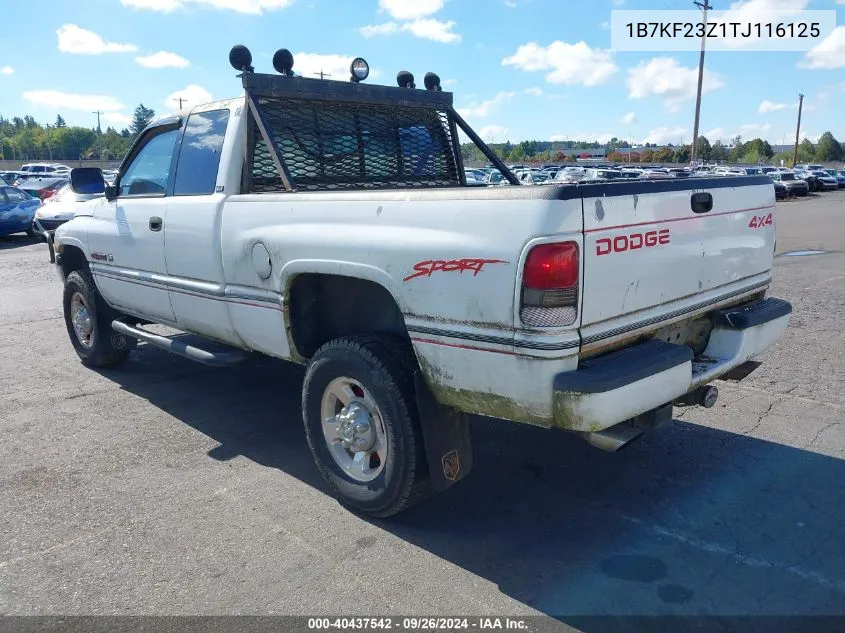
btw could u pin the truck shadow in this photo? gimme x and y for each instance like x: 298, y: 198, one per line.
x: 18, y: 240
x: 690, y: 521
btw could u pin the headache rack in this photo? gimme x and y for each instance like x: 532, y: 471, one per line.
x: 319, y: 135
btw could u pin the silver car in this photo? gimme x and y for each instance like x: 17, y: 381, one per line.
x: 794, y: 185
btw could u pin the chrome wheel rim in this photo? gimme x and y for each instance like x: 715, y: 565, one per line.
x: 354, y: 429
x: 83, y: 324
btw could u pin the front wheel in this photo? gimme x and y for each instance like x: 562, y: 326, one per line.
x: 87, y: 318
x: 362, y: 424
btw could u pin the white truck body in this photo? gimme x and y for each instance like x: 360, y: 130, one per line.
x: 224, y: 264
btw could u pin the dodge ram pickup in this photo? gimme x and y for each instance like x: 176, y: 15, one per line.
x: 330, y: 224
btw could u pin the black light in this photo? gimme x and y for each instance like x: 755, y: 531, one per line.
x: 241, y: 58
x: 283, y: 62
x: 432, y: 82
x: 359, y: 69
x: 405, y: 79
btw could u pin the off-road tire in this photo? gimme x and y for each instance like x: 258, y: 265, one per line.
x: 384, y: 365
x: 108, y: 348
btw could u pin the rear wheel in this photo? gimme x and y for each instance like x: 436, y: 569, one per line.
x: 362, y: 424
x: 88, y: 320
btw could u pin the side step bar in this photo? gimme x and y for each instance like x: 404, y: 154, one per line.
x: 180, y: 348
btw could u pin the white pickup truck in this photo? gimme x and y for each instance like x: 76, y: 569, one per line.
x: 330, y: 224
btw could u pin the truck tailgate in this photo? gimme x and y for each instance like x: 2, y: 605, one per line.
x: 646, y: 247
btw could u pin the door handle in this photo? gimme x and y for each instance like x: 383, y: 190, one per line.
x: 701, y: 202
x: 156, y: 223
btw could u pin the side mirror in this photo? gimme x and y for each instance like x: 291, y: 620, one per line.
x: 111, y: 193
x: 87, y: 180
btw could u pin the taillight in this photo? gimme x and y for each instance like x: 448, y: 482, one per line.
x: 43, y: 194
x: 550, y: 285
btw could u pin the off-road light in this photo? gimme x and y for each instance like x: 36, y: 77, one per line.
x: 283, y: 62
x: 359, y: 69
x: 432, y: 82
x: 241, y: 58
x: 405, y: 79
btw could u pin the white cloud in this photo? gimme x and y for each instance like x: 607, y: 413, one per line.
x: 829, y: 53
x: 494, y: 132
x: 665, y: 77
x: 255, y: 7
x: 117, y: 118
x: 485, y: 107
x: 769, y: 106
x: 311, y: 64
x: 569, y: 63
x: 449, y: 82
x: 410, y: 9
x: 536, y: 92
x: 88, y: 103
x: 372, y: 30
x: 7, y: 70
x: 431, y: 29
x: 163, y: 6
x: 716, y: 134
x: 604, y: 26
x: 163, y: 59
x: 629, y: 118
x: 664, y: 135
x: 73, y: 39
x: 191, y: 95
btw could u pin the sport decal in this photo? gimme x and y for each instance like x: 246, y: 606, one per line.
x: 431, y: 266
x: 759, y: 221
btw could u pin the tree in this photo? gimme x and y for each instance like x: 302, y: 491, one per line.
x: 60, y: 122
x: 806, y: 152
x: 647, y: 156
x: 141, y: 119
x: 682, y: 154
x: 617, y: 157
x: 828, y: 149
x: 663, y: 155
x: 703, y: 150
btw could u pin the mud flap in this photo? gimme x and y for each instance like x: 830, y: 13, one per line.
x: 446, y: 437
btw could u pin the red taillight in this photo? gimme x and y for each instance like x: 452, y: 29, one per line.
x: 43, y: 194
x: 552, y: 267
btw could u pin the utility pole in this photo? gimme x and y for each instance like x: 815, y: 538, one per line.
x: 797, y: 130
x: 99, y: 133
x: 180, y: 100
x: 705, y: 7
x: 323, y: 75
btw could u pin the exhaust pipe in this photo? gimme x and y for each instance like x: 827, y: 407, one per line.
x: 614, y: 438
x: 702, y: 397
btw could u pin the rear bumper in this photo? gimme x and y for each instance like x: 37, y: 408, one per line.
x: 622, y: 385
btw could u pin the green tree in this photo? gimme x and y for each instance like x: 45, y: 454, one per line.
x: 682, y: 154
x: 664, y: 155
x: 141, y: 118
x: 60, y: 122
x: 704, y: 149
x: 718, y: 152
x: 806, y: 152
x: 828, y: 149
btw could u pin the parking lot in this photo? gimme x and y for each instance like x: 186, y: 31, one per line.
x: 167, y: 487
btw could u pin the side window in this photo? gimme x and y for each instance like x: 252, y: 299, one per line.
x: 199, y: 158
x: 13, y: 195
x: 149, y: 172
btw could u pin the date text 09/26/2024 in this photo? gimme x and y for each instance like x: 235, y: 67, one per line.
x: 418, y: 624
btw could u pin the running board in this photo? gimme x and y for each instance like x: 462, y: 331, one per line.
x: 180, y: 348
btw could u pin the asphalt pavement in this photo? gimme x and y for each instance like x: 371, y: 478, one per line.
x: 165, y: 487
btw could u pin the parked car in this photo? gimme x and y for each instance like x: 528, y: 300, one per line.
x: 490, y: 306
x: 10, y: 177
x: 794, y: 185
x: 60, y: 208
x: 494, y: 177
x: 825, y: 180
x: 840, y: 180
x: 44, y: 169
x: 781, y: 191
x: 17, y: 210
x: 810, y: 167
x: 42, y: 188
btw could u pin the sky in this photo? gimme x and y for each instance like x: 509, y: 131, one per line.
x: 519, y: 69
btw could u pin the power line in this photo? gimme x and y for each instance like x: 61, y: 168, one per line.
x: 705, y: 7
x: 180, y: 100
x: 323, y: 75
